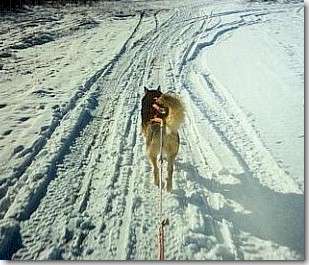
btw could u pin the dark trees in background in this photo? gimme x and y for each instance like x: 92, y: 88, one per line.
x: 13, y: 5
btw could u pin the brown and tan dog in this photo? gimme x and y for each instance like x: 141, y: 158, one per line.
x: 157, y: 106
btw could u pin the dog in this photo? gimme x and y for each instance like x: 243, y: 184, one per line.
x: 157, y: 107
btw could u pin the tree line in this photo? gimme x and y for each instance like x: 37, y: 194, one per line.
x: 12, y: 5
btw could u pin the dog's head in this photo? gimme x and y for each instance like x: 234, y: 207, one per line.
x: 150, y: 96
x: 149, y: 99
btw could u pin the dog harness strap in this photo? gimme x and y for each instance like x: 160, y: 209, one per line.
x: 161, y: 228
x: 161, y: 242
x: 161, y: 167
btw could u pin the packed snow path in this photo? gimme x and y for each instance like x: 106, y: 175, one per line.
x: 87, y: 192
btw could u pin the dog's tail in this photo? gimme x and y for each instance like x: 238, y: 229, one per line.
x: 176, y: 111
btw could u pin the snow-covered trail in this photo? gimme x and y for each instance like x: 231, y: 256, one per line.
x: 88, y: 194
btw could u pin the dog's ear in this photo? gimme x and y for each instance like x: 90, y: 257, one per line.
x: 159, y: 88
x: 145, y: 90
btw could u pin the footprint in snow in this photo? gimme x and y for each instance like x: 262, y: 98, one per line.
x: 7, y: 132
x: 23, y: 119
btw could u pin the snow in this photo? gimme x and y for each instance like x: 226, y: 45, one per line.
x: 46, y: 77
x: 75, y: 183
x: 269, y: 91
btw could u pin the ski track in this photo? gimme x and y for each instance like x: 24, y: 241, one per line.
x: 94, y: 197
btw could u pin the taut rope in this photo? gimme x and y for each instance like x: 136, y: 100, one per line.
x: 163, y: 222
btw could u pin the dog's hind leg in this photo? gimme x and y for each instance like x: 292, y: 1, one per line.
x: 153, y: 160
x: 170, y: 169
x: 171, y: 148
x: 153, y: 145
